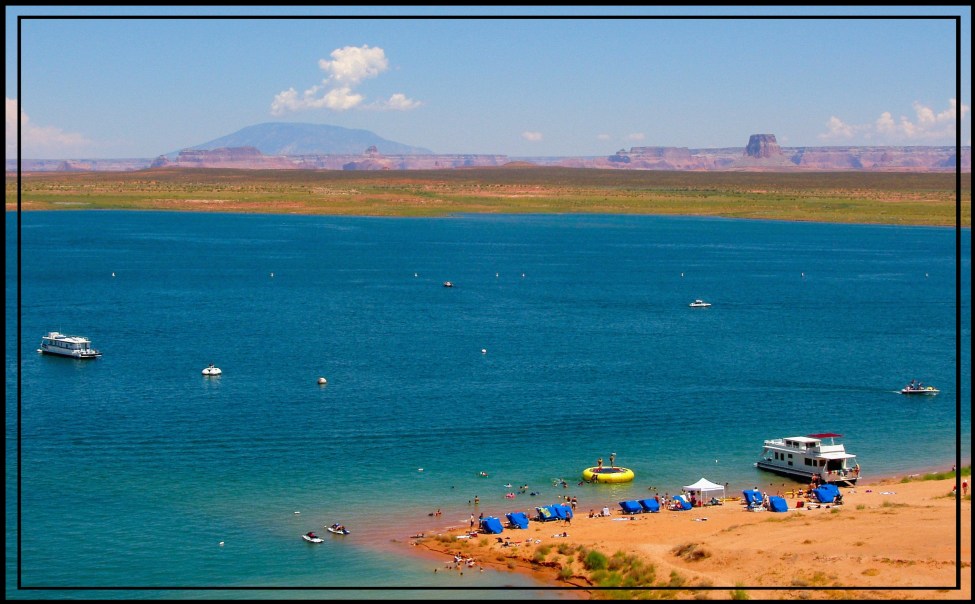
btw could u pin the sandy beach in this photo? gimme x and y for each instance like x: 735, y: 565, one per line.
x: 887, y: 540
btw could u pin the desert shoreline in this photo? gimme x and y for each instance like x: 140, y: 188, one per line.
x: 888, y: 540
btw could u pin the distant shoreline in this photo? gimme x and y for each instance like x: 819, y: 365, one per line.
x: 895, y: 198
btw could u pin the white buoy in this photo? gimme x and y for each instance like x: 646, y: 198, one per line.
x: 113, y: 274
x: 484, y: 351
x: 415, y: 275
x: 682, y: 274
x: 221, y: 544
x: 297, y: 512
x: 419, y: 469
x: 322, y: 380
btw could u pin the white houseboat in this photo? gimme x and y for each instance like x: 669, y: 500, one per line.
x: 76, y: 347
x: 803, y: 457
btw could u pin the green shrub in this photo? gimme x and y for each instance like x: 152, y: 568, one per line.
x: 595, y: 561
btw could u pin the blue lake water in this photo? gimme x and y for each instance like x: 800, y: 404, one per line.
x: 564, y: 339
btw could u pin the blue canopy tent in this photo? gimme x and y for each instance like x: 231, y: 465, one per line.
x: 752, y: 497
x: 545, y: 514
x: 566, y: 509
x: 649, y: 505
x: 684, y: 503
x: 631, y: 507
x: 517, y: 519
x: 826, y: 493
x: 558, y: 511
x: 491, y: 525
x: 778, y: 504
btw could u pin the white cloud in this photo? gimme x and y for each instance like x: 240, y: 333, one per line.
x: 39, y: 141
x: 353, y: 64
x: 636, y: 136
x: 532, y: 136
x: 926, y: 127
x: 347, y: 69
x: 400, y: 102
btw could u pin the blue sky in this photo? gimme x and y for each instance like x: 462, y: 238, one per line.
x: 549, y: 81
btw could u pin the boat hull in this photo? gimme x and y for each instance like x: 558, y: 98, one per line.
x: 75, y: 355
x: 802, y: 475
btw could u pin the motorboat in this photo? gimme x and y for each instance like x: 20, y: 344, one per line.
x: 448, y: 284
x: 815, y: 456
x: 919, y: 388
x: 699, y: 304
x: 311, y: 537
x: 76, y: 347
x: 337, y: 529
x: 211, y: 370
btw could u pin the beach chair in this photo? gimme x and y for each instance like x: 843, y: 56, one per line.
x: 649, y: 505
x: 631, y: 507
x: 517, y: 520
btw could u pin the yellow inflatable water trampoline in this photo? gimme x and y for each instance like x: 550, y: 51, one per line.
x: 613, y: 474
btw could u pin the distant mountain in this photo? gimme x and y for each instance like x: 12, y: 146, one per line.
x: 283, y: 138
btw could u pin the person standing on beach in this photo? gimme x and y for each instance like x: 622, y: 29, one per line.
x: 472, y: 522
x: 964, y: 487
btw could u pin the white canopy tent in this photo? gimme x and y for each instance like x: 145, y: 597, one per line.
x: 703, y: 487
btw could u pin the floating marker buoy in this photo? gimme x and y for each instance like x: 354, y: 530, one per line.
x: 322, y: 380
x: 484, y: 351
x: 297, y: 512
x: 682, y: 274
x: 221, y: 544
x: 113, y: 274
x: 419, y: 469
x: 272, y: 274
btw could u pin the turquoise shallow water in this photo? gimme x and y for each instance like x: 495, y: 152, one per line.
x: 564, y: 339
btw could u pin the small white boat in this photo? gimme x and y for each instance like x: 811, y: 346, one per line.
x: 312, y: 538
x: 211, y: 370
x: 76, y: 347
x: 918, y: 388
x: 337, y: 529
x: 448, y: 284
x: 699, y: 304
